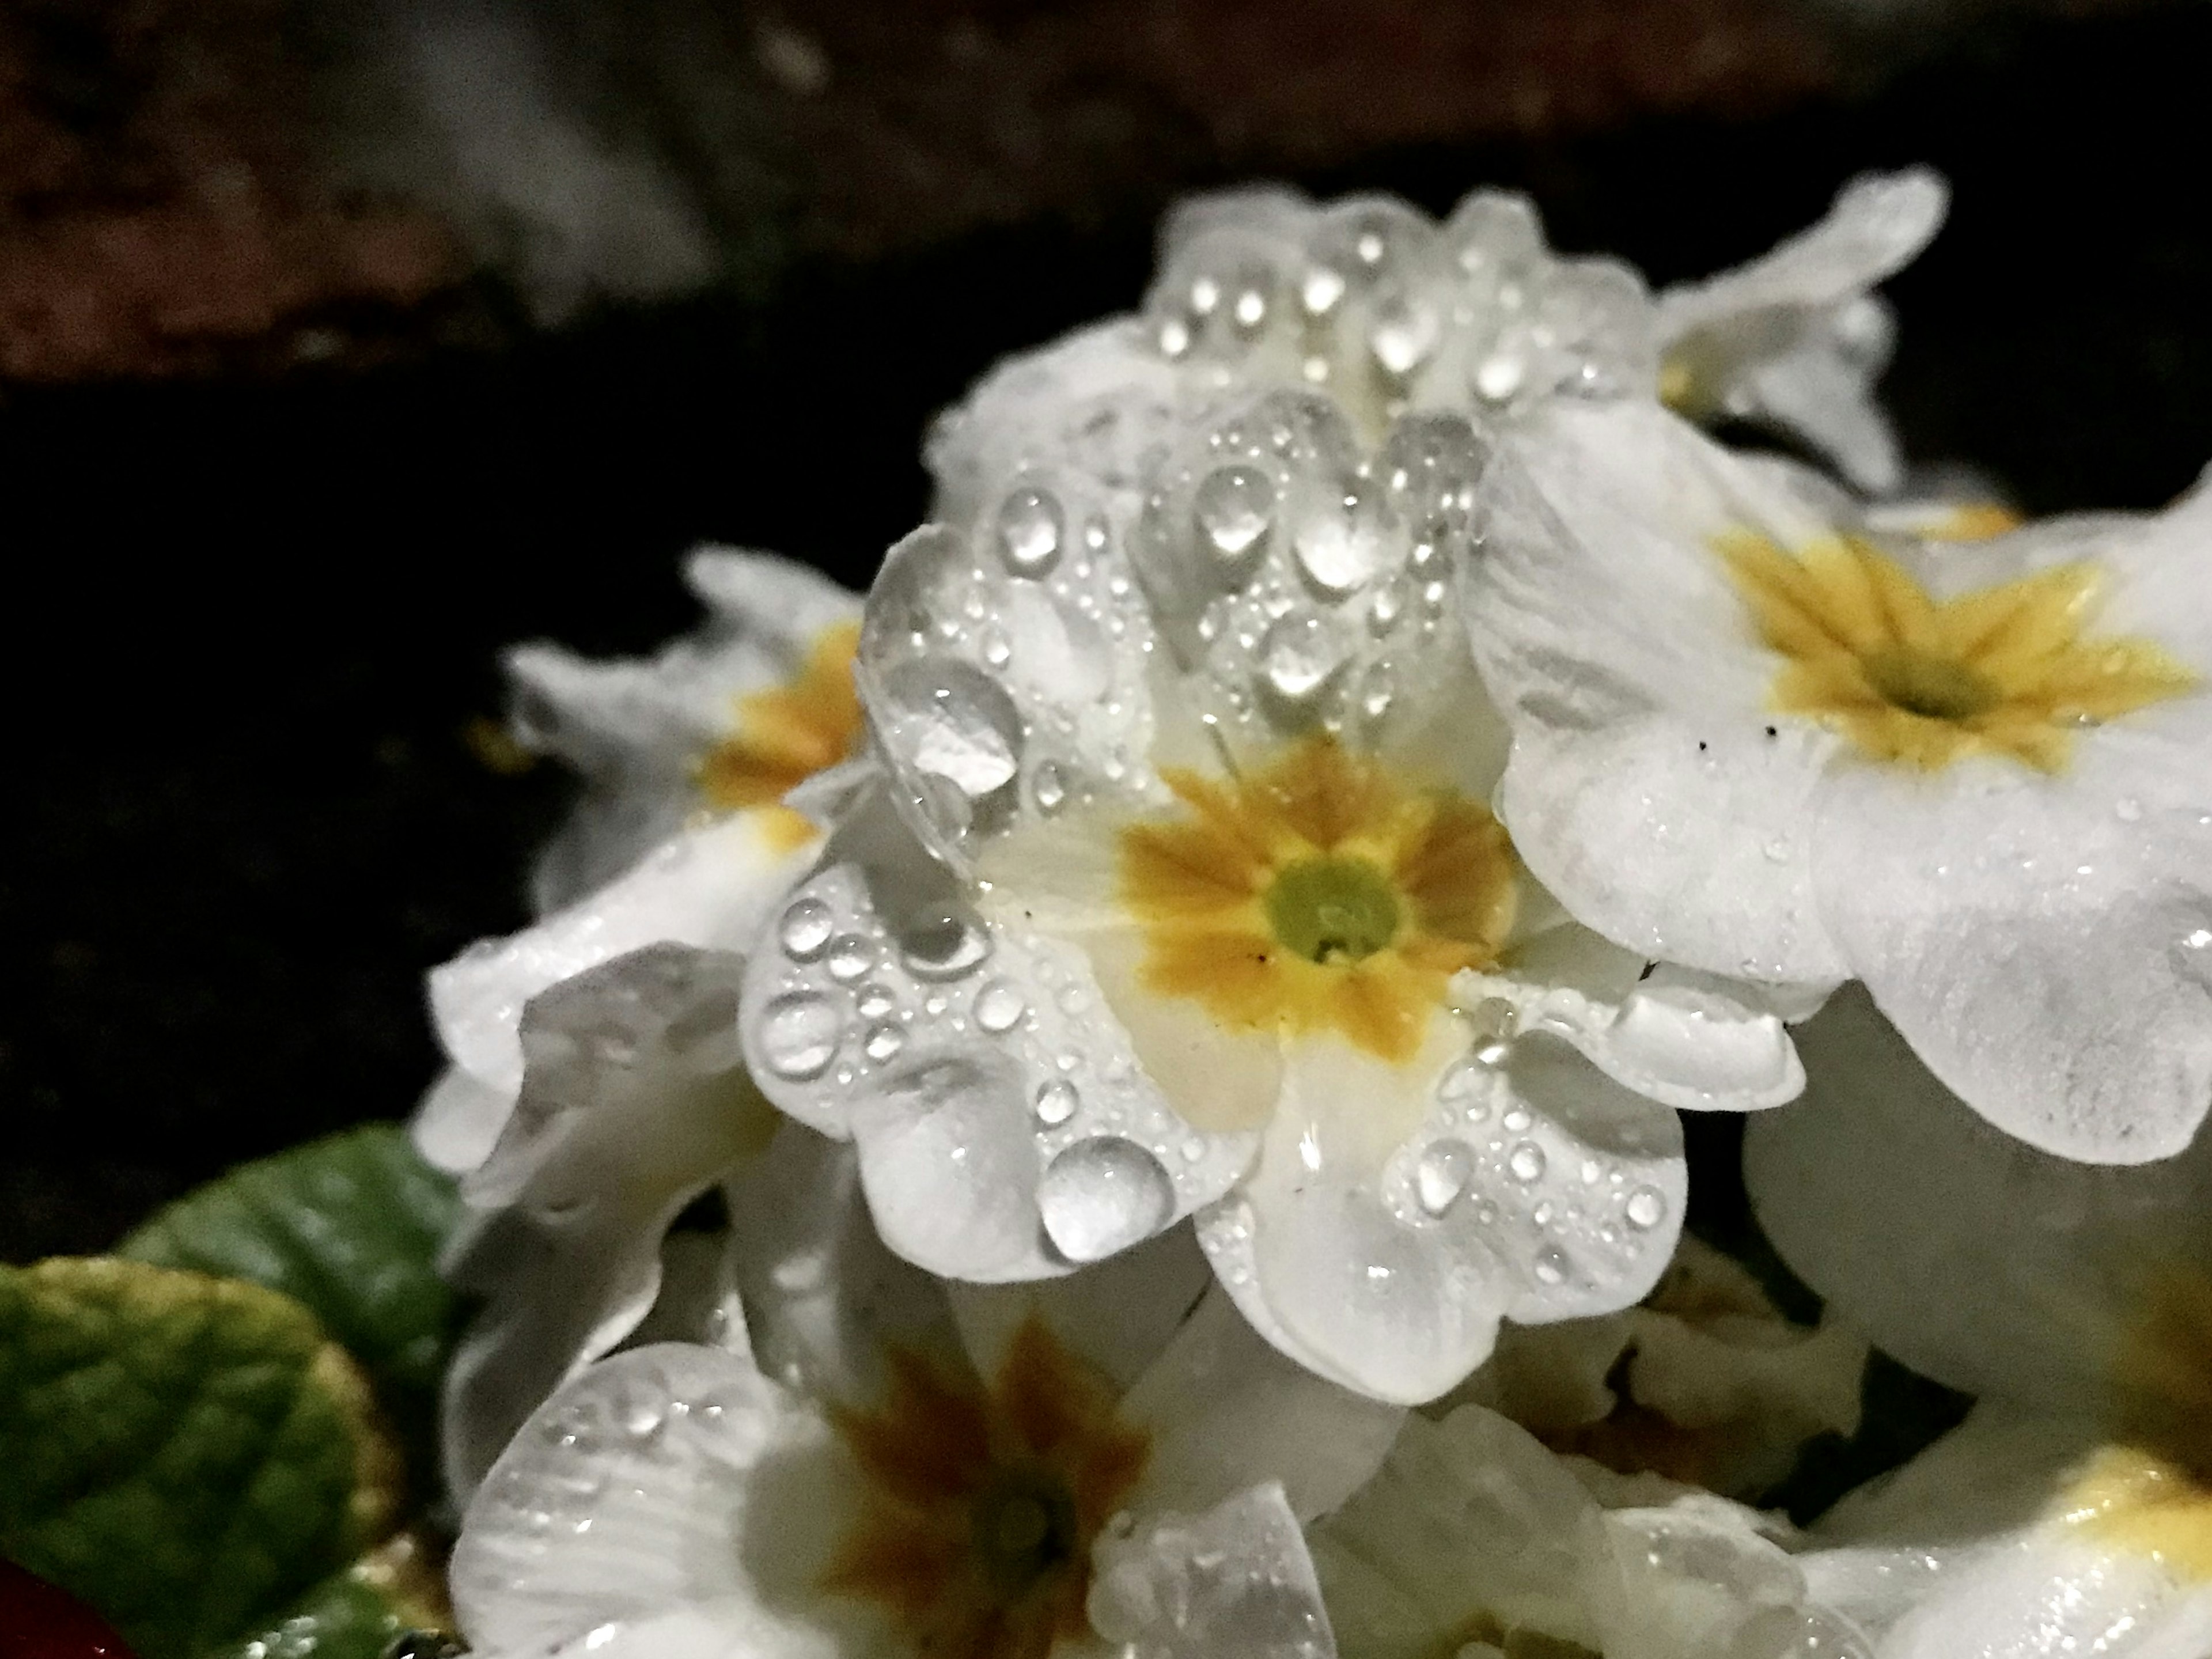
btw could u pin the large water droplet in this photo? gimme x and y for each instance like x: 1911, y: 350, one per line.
x: 1031, y: 531
x: 1339, y: 547
x: 1298, y: 654
x: 1056, y: 1104
x: 1403, y: 337
x: 1102, y: 1196
x: 1552, y: 1264
x: 954, y: 722
x: 999, y: 1007
x: 882, y: 1042
x: 1646, y: 1207
x: 1441, y: 1176
x: 806, y: 929
x: 851, y: 954
x: 1499, y: 377
x: 946, y: 945
x: 798, y: 1035
x: 1233, y: 509
x: 1526, y: 1161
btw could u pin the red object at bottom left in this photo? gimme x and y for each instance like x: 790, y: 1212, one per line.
x: 38, y: 1621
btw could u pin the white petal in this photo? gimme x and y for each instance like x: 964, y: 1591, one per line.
x: 1535, y: 1190
x: 1471, y: 1525
x: 1234, y: 1583
x: 1878, y: 223
x: 1976, y: 1260
x: 1696, y: 1578
x: 664, y: 1480
x: 1226, y: 1410
x: 457, y: 1121
x: 1117, y: 1315
x: 710, y: 886
x: 2044, y: 1596
x: 635, y: 1103
x: 1006, y: 1128
x: 1648, y: 789
x: 781, y: 604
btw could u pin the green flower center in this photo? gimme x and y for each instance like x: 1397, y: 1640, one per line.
x: 1934, y: 688
x: 1022, y: 1528
x: 1332, y: 909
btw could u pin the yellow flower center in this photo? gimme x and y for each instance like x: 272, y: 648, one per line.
x: 1320, y: 893
x: 787, y: 734
x: 2005, y: 671
x: 983, y: 1503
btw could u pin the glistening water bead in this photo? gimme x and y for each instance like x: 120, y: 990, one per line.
x: 1031, y: 531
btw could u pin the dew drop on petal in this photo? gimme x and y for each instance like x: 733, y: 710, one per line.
x: 1102, y: 1196
x: 1526, y: 1161
x: 1048, y: 787
x: 1646, y: 1207
x: 999, y: 1007
x: 1297, y: 655
x: 949, y: 944
x: 1498, y: 377
x: 1552, y: 1264
x: 1441, y: 1176
x: 1339, y: 549
x: 882, y: 1042
x: 798, y: 1035
x: 1234, y: 508
x: 1056, y: 1103
x: 1321, y: 290
x: 1031, y: 531
x: 806, y: 929
x: 874, y: 1001
x: 851, y: 954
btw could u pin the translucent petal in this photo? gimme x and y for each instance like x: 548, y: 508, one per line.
x: 1233, y: 1583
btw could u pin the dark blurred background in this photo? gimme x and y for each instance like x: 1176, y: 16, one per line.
x: 312, y: 393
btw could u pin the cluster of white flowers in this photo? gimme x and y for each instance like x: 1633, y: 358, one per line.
x: 1120, y: 1093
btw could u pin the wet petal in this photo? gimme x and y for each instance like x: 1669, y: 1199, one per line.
x: 634, y: 1103
x: 1234, y: 1583
x: 671, y: 1490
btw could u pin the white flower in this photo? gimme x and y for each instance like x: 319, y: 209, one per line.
x: 1751, y: 737
x: 1389, y: 312
x: 1703, y: 1381
x: 1218, y: 921
x: 634, y: 1101
x: 1020, y: 1479
x: 682, y: 834
x: 1794, y: 340
x: 2072, y: 1513
x: 1474, y: 1540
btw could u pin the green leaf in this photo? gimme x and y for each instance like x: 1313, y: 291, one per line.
x: 187, y: 1455
x: 356, y: 1615
x: 350, y: 1226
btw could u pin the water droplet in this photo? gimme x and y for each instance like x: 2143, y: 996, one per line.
x: 1030, y: 531
x: 1249, y: 309
x: 1441, y: 1176
x: 1526, y: 1161
x: 806, y: 928
x: 1320, y: 291
x: 1517, y: 1120
x: 1339, y: 548
x: 1387, y: 605
x: 882, y: 1042
x: 1552, y: 1264
x: 1402, y: 337
x: 1048, y: 787
x: 798, y: 1035
x: 851, y: 954
x: 1646, y: 1207
x: 1499, y: 378
x: 1376, y: 688
x: 642, y: 1420
x: 1297, y: 655
x: 1102, y: 1196
x: 953, y: 722
x: 1174, y: 338
x: 999, y: 1007
x: 1056, y: 1103
x: 874, y: 1001
x: 1233, y: 509
x: 998, y: 650
x: 948, y: 944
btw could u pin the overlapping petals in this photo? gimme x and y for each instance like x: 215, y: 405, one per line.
x: 682, y: 835
x: 1751, y: 736
x: 1184, y: 897
x: 932, y: 1499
